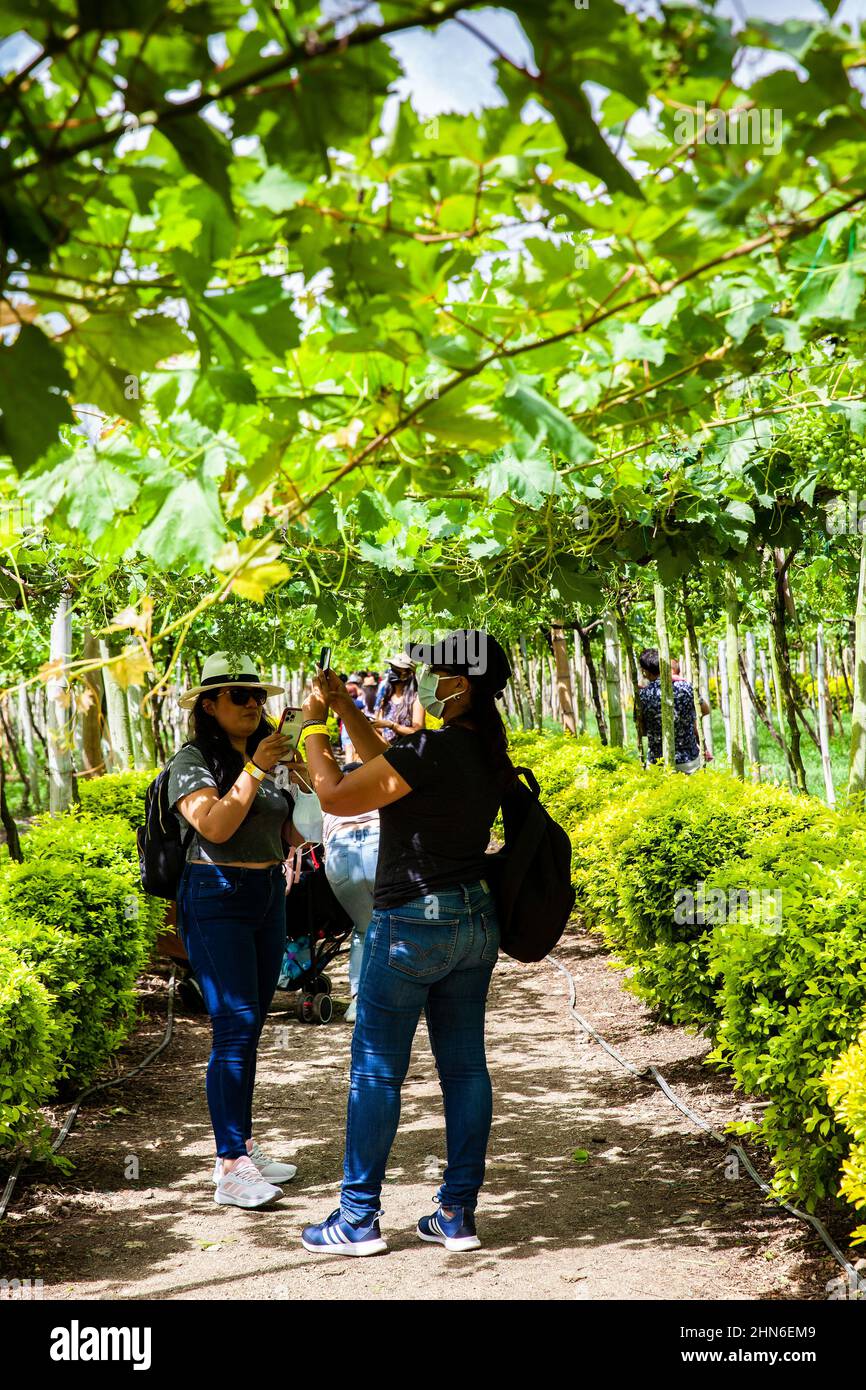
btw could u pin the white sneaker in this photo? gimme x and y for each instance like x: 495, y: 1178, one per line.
x: 244, y: 1186
x: 269, y: 1167
x: 270, y: 1170
x: 350, y: 1013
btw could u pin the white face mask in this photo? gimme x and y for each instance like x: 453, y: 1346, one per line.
x: 428, y: 685
x: 307, y: 816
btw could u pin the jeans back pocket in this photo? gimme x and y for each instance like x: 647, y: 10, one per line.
x: 420, y: 948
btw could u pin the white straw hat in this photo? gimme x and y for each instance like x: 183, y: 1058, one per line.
x: 217, y: 672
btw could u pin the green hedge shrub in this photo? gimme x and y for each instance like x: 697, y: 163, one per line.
x: 117, y: 794
x: 782, y: 998
x: 28, y: 1051
x: 75, y: 930
x: 98, y: 841
x: 846, y: 1091
x: 793, y: 995
x: 112, y: 938
x: 682, y: 832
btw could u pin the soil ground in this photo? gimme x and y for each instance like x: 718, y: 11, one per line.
x: 650, y: 1213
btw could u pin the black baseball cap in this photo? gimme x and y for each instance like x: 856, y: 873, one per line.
x: 468, y: 652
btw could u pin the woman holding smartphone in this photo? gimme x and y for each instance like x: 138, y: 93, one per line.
x: 231, y: 901
x: 433, y: 938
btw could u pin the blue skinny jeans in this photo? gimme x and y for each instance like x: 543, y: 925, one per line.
x: 433, y: 955
x: 350, y: 864
x: 232, y: 922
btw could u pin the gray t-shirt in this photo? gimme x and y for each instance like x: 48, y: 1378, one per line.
x: 257, y: 838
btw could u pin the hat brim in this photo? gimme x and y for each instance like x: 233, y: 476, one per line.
x: 188, y: 700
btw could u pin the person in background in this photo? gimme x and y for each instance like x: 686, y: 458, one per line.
x: 353, y: 689
x: 351, y: 855
x: 705, y: 708
x: 369, y: 690
x: 400, y: 711
x: 687, y: 748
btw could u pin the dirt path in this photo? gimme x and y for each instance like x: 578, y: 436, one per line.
x: 650, y: 1214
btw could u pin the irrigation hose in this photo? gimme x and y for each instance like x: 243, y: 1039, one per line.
x: 652, y: 1074
x: 66, y: 1127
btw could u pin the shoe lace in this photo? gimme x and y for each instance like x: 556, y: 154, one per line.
x: 244, y: 1171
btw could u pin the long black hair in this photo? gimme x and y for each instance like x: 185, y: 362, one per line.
x: 483, y: 713
x: 212, y: 741
x: 409, y: 693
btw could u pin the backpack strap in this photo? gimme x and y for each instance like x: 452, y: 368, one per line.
x: 529, y: 778
x: 186, y: 837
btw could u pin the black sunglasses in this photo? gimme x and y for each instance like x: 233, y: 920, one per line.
x: 240, y: 694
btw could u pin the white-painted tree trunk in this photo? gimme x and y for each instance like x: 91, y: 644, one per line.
x: 765, y: 677
x: 667, y: 688
x: 26, y: 724
x: 857, y: 763
x: 751, y: 714
x: 823, y: 727
x: 613, y: 681
x: 579, y: 677
x: 735, y: 698
x: 704, y: 684
x: 117, y: 715
x: 58, y: 724
x: 724, y: 694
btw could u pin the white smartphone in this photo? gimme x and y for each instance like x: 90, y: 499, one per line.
x: 291, y: 723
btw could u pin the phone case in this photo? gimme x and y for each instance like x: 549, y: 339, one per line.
x: 293, y: 725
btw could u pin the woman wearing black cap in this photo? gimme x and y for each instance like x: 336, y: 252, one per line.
x: 433, y: 939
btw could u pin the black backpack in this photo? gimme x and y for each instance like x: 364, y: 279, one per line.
x: 161, y: 844
x: 530, y: 877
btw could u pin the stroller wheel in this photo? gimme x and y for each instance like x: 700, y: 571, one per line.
x: 305, y: 1007
x: 322, y: 1008
x: 323, y: 984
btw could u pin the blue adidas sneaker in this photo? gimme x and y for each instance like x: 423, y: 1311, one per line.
x: 456, y: 1234
x: 337, y: 1236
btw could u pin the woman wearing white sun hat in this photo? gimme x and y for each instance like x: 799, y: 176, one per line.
x: 231, y: 900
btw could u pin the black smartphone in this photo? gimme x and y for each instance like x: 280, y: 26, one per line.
x: 325, y: 659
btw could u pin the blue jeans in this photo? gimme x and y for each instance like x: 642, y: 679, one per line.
x: 232, y: 922
x: 436, y: 955
x: 350, y: 864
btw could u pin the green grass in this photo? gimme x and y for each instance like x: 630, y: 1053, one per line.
x: 773, y: 767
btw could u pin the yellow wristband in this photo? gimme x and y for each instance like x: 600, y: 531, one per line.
x: 257, y: 772
x: 313, y: 729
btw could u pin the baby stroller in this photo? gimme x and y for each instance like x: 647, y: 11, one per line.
x: 316, y: 929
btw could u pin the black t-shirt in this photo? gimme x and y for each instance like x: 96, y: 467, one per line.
x: 436, y: 836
